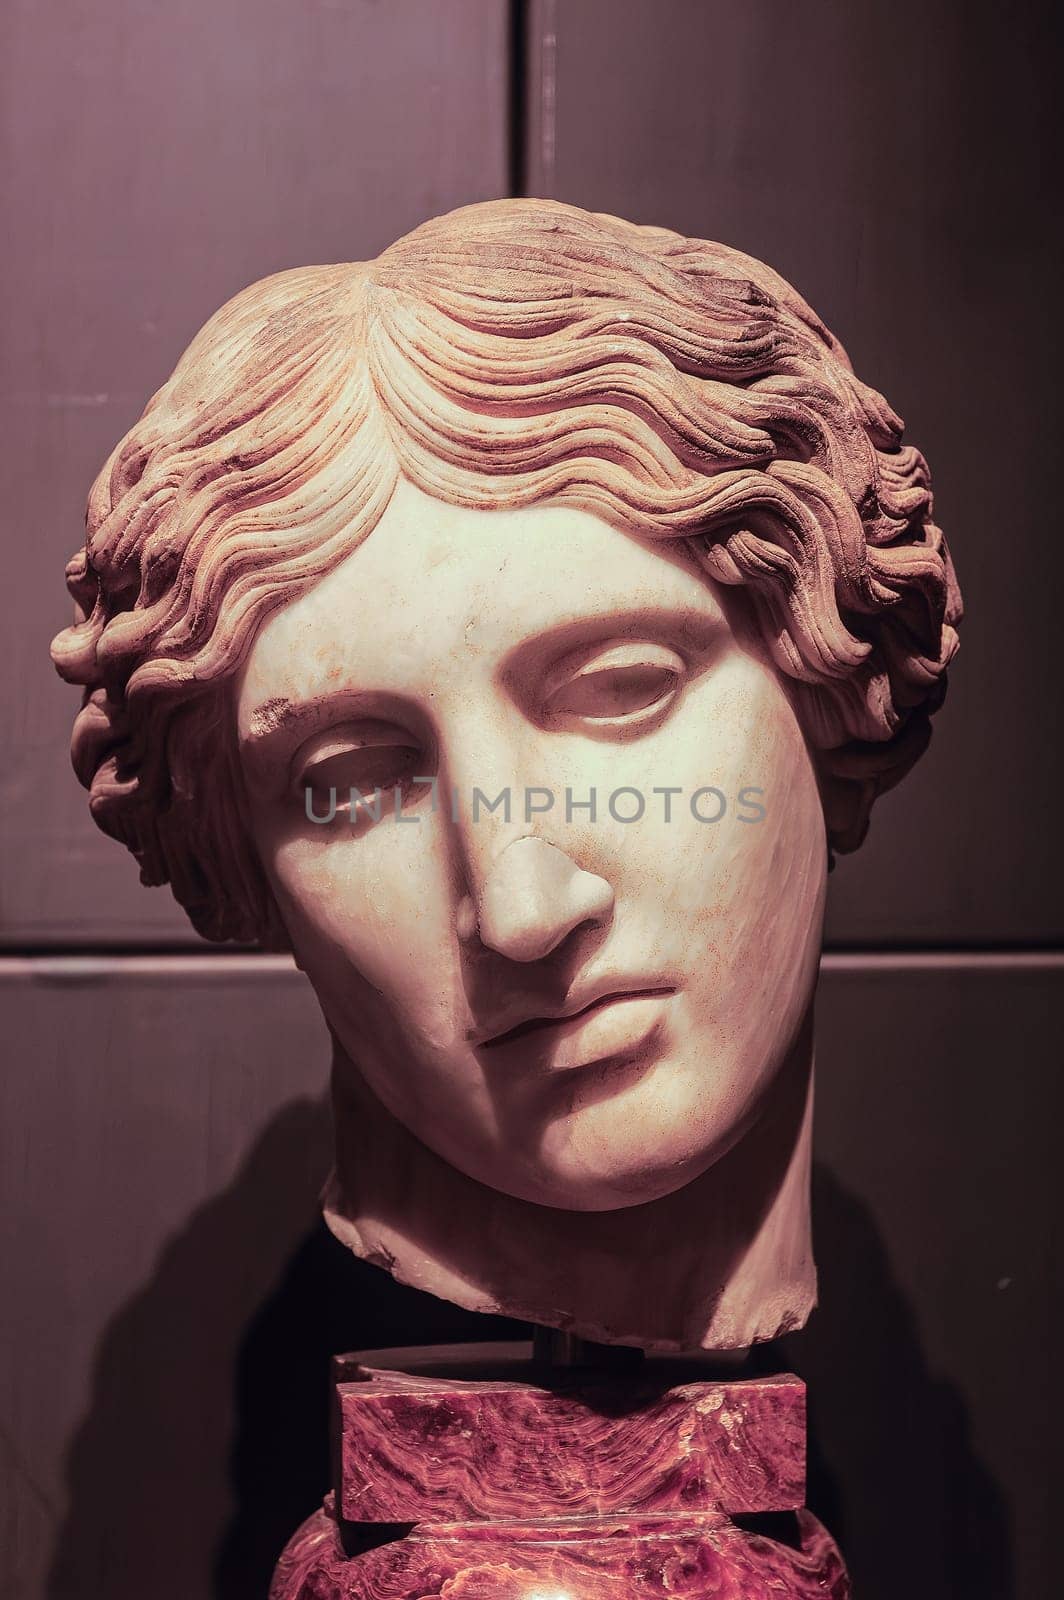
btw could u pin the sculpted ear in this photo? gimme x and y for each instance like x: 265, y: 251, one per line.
x: 852, y: 778
x: 847, y: 810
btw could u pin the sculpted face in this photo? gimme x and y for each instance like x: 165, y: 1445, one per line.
x: 577, y: 1010
x: 566, y: 932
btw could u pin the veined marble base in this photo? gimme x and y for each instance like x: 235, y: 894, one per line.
x: 522, y: 1483
x: 700, y: 1556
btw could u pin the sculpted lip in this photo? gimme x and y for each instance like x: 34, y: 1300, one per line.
x: 563, y: 1023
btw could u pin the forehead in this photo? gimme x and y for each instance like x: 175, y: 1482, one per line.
x: 435, y: 583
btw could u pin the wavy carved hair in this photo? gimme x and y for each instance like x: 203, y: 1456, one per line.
x: 495, y: 356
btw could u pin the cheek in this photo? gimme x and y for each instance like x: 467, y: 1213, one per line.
x: 737, y: 736
x: 747, y: 896
x: 371, y: 922
x: 771, y: 909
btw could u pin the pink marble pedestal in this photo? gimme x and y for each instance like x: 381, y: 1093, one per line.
x: 577, y: 1486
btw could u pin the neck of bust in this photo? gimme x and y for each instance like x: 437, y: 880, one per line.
x: 721, y: 1264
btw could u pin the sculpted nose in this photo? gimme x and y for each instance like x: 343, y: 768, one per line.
x: 533, y: 898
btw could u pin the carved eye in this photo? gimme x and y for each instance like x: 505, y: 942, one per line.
x: 624, y: 684
x: 371, y: 758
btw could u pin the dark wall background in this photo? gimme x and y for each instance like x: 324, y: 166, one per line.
x: 897, y: 161
x: 171, y: 1301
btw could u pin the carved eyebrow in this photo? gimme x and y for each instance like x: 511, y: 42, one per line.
x: 279, y: 715
x: 668, y: 623
x: 273, y: 715
x: 696, y: 628
x: 684, y: 624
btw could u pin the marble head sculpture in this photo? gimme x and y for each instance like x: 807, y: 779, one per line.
x: 512, y: 627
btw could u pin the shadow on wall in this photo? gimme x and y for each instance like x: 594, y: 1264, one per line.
x: 206, y: 1440
x: 892, y: 1471
x: 328, y: 1302
x: 178, y: 1492
x: 146, y: 1477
